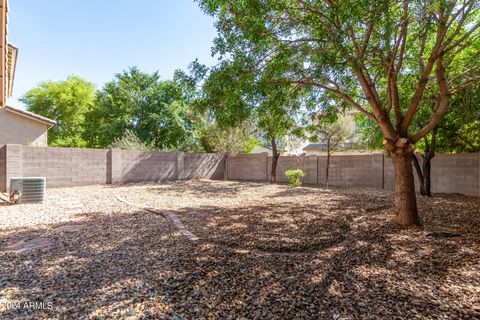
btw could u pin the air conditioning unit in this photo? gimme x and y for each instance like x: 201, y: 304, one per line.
x: 29, y: 189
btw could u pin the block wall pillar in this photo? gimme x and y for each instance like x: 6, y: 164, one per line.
x: 114, y: 166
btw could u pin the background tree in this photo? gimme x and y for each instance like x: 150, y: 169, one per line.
x: 231, y: 95
x: 333, y: 132
x: 459, y: 132
x: 276, y: 110
x: 294, y: 143
x: 362, y: 52
x: 66, y: 102
x: 229, y: 141
x: 155, y: 110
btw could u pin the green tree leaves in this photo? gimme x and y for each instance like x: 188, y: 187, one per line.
x: 362, y: 52
x: 66, y: 102
x: 134, y: 103
x: 155, y: 110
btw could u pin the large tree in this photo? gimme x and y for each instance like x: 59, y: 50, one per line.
x: 362, y: 52
x: 66, y: 102
x: 155, y: 110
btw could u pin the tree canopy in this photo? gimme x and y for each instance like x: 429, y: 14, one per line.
x: 155, y: 110
x: 67, y: 102
x: 232, y: 94
x: 360, y: 51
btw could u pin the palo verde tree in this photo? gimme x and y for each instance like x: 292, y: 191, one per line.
x: 362, y: 52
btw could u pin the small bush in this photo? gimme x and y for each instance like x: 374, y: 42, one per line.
x: 129, y: 141
x: 294, y: 177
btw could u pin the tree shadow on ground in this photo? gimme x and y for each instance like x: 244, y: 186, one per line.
x: 204, y: 188
x: 285, y: 227
x: 114, y: 261
x: 374, y: 269
x: 136, y: 264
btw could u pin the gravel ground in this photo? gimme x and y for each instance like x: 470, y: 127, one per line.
x: 267, y: 252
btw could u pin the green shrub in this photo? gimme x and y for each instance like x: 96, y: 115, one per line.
x: 294, y: 177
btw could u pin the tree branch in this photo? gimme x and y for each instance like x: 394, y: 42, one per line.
x: 422, y: 83
x: 337, y: 92
x: 441, y: 104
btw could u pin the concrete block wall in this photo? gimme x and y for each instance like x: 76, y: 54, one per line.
x: 345, y: 170
x: 307, y: 164
x: 147, y: 166
x: 251, y: 167
x: 451, y: 173
x: 202, y: 166
x: 13, y: 163
x: 456, y: 173
x: 352, y: 170
x: 114, y: 166
x: 143, y: 166
x: 388, y: 174
x: 64, y: 167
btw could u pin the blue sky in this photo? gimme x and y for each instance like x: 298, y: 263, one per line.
x: 97, y: 38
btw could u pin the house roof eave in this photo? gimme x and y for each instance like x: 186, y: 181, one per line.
x: 30, y: 115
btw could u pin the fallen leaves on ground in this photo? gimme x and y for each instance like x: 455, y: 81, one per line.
x: 267, y: 251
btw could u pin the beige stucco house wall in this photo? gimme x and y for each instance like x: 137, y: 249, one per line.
x: 18, y: 127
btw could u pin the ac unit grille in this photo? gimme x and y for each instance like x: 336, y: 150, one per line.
x: 30, y: 189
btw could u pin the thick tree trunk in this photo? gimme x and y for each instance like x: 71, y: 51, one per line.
x: 406, y: 213
x: 275, y: 156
